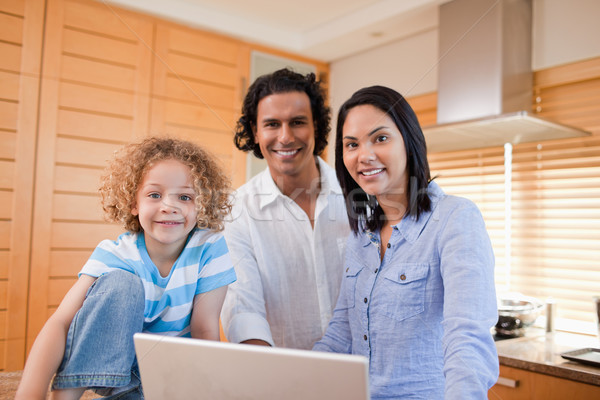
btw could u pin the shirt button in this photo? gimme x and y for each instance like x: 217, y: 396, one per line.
x: 403, y: 277
x: 389, y: 245
x: 365, y: 337
x: 366, y: 300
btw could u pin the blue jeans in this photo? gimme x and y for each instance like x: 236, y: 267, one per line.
x: 99, y: 351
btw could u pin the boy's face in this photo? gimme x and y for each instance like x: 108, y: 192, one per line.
x: 285, y: 133
x: 166, y: 208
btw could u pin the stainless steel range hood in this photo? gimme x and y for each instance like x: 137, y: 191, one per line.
x: 485, y: 78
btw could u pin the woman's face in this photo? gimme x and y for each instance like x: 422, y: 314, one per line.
x: 374, y: 154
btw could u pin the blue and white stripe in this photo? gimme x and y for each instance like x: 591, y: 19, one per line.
x: 203, y: 265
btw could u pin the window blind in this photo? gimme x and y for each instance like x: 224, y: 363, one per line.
x: 555, y: 217
x: 479, y: 176
x: 556, y: 223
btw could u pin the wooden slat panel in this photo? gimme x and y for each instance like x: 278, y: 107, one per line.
x: 218, y: 144
x: 199, y: 92
x: 426, y: 101
x: 86, y: 125
x: 195, y: 73
x: 427, y: 118
x: 97, y: 47
x: 8, y: 115
x: 7, y: 174
x: 2, y: 323
x: 24, y: 60
x: 199, y: 116
x: 11, y: 57
x: 16, y: 7
x: 76, y: 179
x: 95, y: 99
x: 4, y: 257
x: 3, y: 292
x: 7, y: 145
x: 84, y: 152
x: 570, y: 94
x: 77, y: 208
x: 11, y: 28
x: 98, y: 73
x: 68, y: 262
x: 584, y: 113
x: 568, y: 73
x: 67, y: 235
x: 6, y: 200
x: 9, y: 86
x: 425, y: 106
x: 95, y: 96
x: 102, y: 18
x: 202, y: 70
x: 204, y: 45
x: 581, y: 94
x: 5, y: 234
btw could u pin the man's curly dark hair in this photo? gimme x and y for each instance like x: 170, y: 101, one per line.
x: 282, y: 81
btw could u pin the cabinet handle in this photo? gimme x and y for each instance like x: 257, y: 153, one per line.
x: 507, y: 382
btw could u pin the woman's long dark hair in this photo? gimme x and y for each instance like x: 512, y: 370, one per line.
x: 364, y: 213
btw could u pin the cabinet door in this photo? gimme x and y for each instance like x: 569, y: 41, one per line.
x: 197, y: 90
x: 94, y: 97
x: 518, y: 384
x: 21, y: 25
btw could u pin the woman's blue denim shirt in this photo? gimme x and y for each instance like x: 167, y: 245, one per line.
x: 423, y: 315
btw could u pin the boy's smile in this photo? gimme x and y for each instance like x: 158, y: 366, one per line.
x: 166, y: 208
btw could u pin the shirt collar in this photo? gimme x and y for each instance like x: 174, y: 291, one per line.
x: 270, y: 192
x: 409, y: 227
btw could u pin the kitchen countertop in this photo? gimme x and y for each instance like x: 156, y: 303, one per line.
x: 540, y: 352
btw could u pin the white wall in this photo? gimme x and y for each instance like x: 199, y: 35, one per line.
x: 409, y: 66
x: 563, y: 31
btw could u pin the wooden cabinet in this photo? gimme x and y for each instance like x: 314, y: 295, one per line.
x: 197, y: 86
x: 21, y: 27
x: 78, y: 79
x: 95, y: 91
x: 518, y: 384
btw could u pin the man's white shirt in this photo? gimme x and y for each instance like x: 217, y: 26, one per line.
x: 288, y: 272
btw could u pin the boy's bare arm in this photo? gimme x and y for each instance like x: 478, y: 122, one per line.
x: 204, y: 322
x: 49, y: 346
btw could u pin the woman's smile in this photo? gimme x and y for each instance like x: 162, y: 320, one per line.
x: 374, y: 153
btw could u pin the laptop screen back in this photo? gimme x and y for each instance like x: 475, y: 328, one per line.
x: 183, y: 368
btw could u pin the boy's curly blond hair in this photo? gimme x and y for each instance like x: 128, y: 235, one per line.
x: 124, y: 174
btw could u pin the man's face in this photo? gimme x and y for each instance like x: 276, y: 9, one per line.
x: 285, y: 133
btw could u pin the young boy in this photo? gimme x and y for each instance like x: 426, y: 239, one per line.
x: 168, y: 274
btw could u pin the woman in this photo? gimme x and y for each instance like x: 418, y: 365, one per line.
x: 418, y: 296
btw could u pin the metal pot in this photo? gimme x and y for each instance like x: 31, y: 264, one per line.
x: 515, y: 314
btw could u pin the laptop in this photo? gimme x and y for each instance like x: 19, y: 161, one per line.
x: 184, y: 368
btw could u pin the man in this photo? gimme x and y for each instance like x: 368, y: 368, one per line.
x: 289, y: 225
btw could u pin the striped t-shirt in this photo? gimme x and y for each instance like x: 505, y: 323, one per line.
x: 203, y: 265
